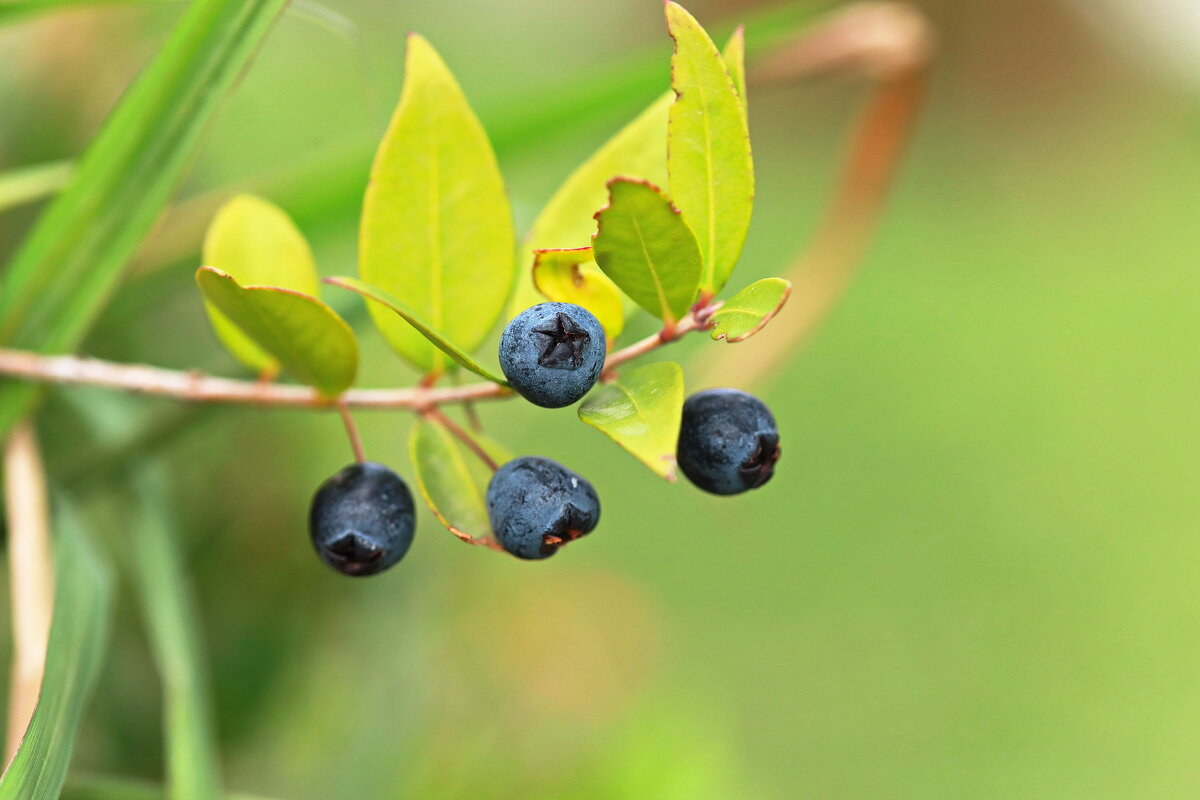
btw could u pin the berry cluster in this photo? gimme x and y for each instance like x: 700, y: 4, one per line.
x: 362, y: 519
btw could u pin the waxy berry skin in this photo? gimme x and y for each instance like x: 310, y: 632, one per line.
x: 536, y: 505
x: 361, y: 520
x: 728, y: 441
x: 553, y: 353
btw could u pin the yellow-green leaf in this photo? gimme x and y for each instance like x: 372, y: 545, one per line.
x: 436, y: 225
x: 708, y: 151
x: 734, y: 55
x: 641, y: 411
x: 745, y: 314
x: 453, y: 483
x: 388, y: 301
x: 257, y: 244
x: 572, y: 276
x: 304, y: 335
x: 638, y: 150
x: 644, y: 245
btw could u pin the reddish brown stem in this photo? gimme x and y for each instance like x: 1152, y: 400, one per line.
x: 462, y: 435
x: 352, y: 431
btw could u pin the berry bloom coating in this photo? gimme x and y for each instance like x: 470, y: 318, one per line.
x: 553, y: 353
x: 361, y: 520
x: 728, y: 441
x: 537, y: 505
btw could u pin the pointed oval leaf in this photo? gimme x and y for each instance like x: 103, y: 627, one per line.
x: 745, y: 314
x: 386, y: 300
x: 641, y: 411
x: 572, y: 276
x: 303, y: 334
x: 257, y: 244
x: 644, y: 245
x: 436, y: 227
x: 638, y: 150
x: 708, y: 149
x: 734, y: 55
x: 453, y: 483
x: 74, y: 656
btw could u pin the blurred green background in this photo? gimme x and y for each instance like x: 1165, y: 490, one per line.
x: 974, y: 574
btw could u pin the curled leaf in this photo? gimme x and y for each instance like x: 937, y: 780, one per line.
x: 572, y: 276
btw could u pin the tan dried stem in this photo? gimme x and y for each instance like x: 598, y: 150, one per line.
x: 31, y: 577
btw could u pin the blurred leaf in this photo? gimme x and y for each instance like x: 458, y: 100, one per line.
x: 708, y: 153
x: 28, y: 184
x: 74, y: 656
x: 255, y: 243
x: 641, y: 411
x: 638, y: 150
x: 644, y: 245
x: 734, y: 56
x: 436, y: 229
x: 312, y: 342
x: 193, y: 767
x: 61, y: 276
x: 105, y: 787
x: 426, y: 330
x: 572, y: 276
x: 453, y: 483
x: 745, y: 314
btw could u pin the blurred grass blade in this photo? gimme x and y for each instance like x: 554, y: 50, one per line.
x: 436, y: 224
x: 708, y: 157
x: 256, y: 243
x: 29, y: 184
x: 78, y: 640
x: 646, y: 248
x: 105, y: 787
x: 641, y: 411
x: 63, y: 273
x: 436, y: 337
x: 193, y: 769
x: 748, y: 311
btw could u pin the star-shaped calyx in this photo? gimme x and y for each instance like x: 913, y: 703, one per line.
x: 566, y: 340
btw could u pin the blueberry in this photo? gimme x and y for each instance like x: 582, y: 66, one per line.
x: 361, y: 520
x: 728, y: 441
x: 537, y: 505
x: 553, y: 353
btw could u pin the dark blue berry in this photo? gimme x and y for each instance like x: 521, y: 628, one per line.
x: 728, y: 441
x: 361, y: 520
x: 553, y: 353
x: 537, y: 505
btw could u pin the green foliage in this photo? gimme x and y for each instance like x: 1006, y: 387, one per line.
x: 572, y: 276
x: 745, y: 314
x: 74, y: 655
x: 643, y: 244
x: 453, y: 483
x: 436, y: 225
x: 734, y: 56
x: 303, y: 334
x: 193, y: 768
x: 256, y: 244
x: 26, y: 184
x: 65, y: 270
x: 434, y: 336
x: 708, y: 156
x: 641, y: 411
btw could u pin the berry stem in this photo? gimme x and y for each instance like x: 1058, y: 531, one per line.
x: 352, y: 431
x: 462, y: 435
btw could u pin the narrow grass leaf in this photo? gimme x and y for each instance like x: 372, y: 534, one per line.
x: 193, y: 769
x: 748, y: 311
x: 75, y: 653
x: 644, y: 245
x: 392, y: 304
x: 708, y: 155
x: 641, y: 411
x: 572, y: 276
x: 63, y: 273
x: 436, y: 226
x: 304, y: 335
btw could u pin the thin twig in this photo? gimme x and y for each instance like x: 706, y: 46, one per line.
x: 459, y: 433
x: 31, y: 577
x: 352, y: 432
